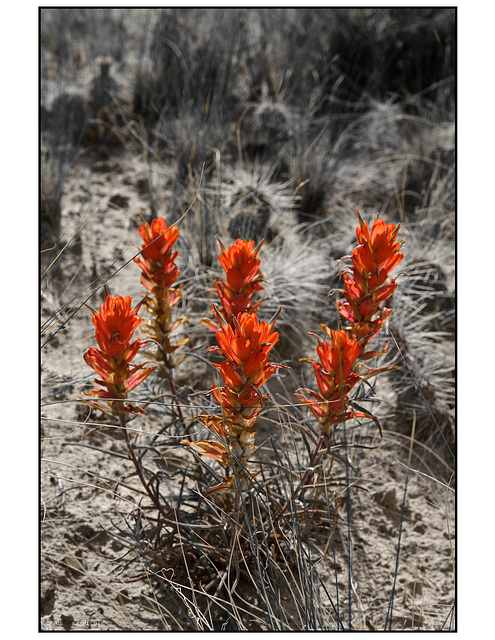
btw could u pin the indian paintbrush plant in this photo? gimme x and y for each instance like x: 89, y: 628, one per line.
x: 339, y: 366
x: 245, y: 343
x: 239, y: 527
x: 367, y: 282
x: 115, y: 324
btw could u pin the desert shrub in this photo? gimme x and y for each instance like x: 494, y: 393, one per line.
x: 62, y: 33
x: 79, y: 36
x: 194, y: 61
x: 425, y: 319
x: 384, y: 58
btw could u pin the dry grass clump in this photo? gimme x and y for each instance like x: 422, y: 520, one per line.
x: 203, y: 222
x: 311, y: 165
x: 423, y: 331
x: 256, y: 206
x: 198, y: 142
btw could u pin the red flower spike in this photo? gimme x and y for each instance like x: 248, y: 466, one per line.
x: 157, y: 260
x: 245, y: 343
x: 334, y: 377
x: 241, y: 264
x: 159, y: 273
x: 115, y: 323
x: 367, y: 284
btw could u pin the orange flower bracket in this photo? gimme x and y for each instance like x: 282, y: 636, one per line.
x: 243, y: 279
x: 115, y: 323
x: 367, y: 283
x: 334, y: 378
x: 245, y: 344
x: 159, y: 274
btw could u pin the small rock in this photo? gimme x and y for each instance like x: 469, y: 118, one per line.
x: 85, y: 531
